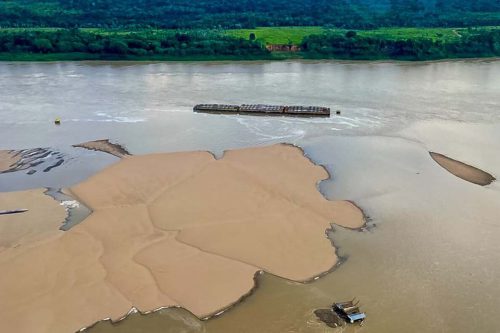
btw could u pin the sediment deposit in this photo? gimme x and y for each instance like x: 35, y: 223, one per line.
x: 178, y: 229
x: 462, y: 170
x: 104, y: 146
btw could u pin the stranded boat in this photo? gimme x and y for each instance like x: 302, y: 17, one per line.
x: 265, y: 109
x: 349, y: 311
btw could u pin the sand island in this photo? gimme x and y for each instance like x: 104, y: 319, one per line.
x: 176, y: 229
x: 461, y: 170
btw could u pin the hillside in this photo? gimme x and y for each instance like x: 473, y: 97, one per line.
x: 352, y: 14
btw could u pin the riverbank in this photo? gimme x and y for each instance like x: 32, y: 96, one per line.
x: 276, y: 43
x: 275, y: 56
x: 80, y: 56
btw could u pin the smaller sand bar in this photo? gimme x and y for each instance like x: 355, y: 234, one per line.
x: 462, y: 170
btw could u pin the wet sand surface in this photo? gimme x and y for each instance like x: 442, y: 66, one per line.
x: 431, y: 241
x: 462, y: 170
x: 8, y: 159
x: 32, y: 160
x: 55, y: 167
x: 186, y: 230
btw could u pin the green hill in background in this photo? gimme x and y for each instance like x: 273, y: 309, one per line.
x: 188, y: 14
x: 244, y: 29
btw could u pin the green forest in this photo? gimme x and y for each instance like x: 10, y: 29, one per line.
x: 102, y: 45
x: 54, y: 44
x: 210, y: 14
x: 244, y: 29
x: 482, y: 43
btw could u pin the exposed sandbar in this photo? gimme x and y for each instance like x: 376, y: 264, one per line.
x: 462, y: 170
x: 104, y: 146
x: 178, y: 229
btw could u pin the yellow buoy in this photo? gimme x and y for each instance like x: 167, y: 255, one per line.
x: 57, y: 121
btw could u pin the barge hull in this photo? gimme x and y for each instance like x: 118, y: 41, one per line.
x: 264, y: 109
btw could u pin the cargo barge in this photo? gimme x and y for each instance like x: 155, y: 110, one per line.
x: 264, y: 109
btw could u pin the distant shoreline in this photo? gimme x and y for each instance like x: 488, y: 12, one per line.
x: 83, y: 57
x: 263, y: 43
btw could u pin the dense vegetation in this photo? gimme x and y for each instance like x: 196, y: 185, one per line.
x: 223, y: 29
x: 400, y: 43
x: 105, y: 45
x: 482, y: 43
x: 189, y: 14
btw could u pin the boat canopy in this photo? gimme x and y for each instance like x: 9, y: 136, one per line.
x: 356, y: 317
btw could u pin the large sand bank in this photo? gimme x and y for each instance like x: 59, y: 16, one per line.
x: 179, y: 229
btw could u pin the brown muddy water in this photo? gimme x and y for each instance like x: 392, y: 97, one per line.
x: 430, y: 260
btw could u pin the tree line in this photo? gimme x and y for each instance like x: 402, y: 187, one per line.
x: 208, y: 43
x: 211, y: 14
x: 178, y: 44
x: 482, y: 43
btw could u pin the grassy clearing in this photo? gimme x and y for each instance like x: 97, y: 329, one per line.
x: 277, y: 35
x: 293, y: 35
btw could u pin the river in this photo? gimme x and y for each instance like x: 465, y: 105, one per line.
x: 429, y: 259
